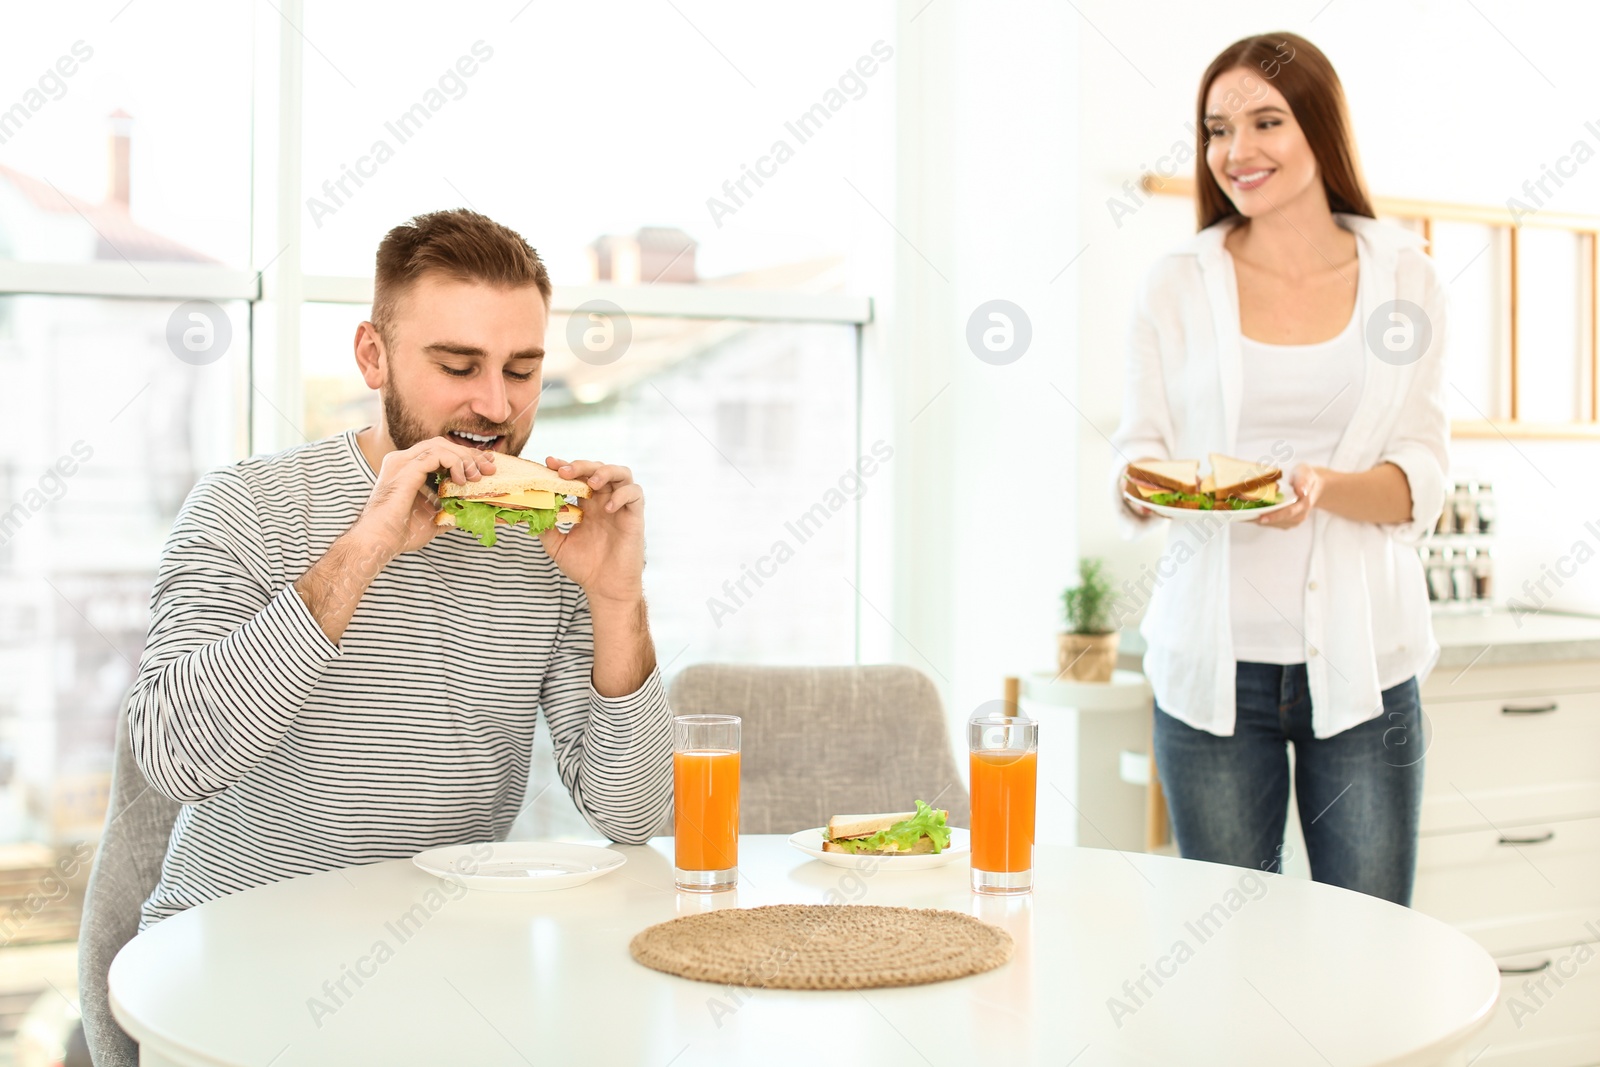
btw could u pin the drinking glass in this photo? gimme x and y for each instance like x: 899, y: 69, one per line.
x: 1005, y: 775
x: 705, y: 802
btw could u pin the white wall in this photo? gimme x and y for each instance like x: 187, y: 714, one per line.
x: 985, y: 199
x: 1450, y: 102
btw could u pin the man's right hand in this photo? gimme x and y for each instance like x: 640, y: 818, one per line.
x: 398, y: 518
x: 400, y: 512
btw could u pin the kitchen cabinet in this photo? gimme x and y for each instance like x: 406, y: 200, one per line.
x: 1510, y: 849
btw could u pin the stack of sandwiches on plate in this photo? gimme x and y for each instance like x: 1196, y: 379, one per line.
x: 1232, y: 485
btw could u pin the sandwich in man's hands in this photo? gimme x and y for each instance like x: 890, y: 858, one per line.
x: 900, y: 833
x: 1232, y: 485
x: 519, y: 492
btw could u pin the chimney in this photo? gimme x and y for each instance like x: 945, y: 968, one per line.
x: 654, y: 254
x: 121, y: 139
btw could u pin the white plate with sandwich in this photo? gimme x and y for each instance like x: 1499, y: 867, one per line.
x: 519, y: 866
x: 898, y: 841
x: 1236, y: 490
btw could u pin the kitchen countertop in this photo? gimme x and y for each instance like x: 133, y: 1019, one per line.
x: 1525, y: 637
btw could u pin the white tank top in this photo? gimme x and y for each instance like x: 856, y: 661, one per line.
x: 1297, y: 401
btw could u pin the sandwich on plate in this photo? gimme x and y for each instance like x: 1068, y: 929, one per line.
x: 899, y: 833
x: 1232, y: 485
x: 519, y: 492
x: 1238, y: 484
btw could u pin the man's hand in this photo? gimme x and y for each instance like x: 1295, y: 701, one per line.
x: 400, y: 512
x: 605, y: 552
x: 1308, y: 484
x: 398, y: 518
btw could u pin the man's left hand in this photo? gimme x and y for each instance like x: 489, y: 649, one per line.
x: 605, y: 552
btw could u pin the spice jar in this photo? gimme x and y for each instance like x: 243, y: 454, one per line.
x: 1439, y: 575
x: 1464, y: 504
x: 1483, y: 575
x: 1486, y: 508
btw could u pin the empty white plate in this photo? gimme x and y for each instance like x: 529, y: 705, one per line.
x: 810, y: 842
x: 519, y: 866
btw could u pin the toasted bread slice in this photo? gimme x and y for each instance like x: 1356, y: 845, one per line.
x: 1174, y: 475
x: 567, y: 513
x: 513, y: 475
x: 855, y: 827
x: 1266, y: 492
x: 1235, y: 477
x: 863, y: 825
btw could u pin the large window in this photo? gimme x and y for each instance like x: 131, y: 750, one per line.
x: 107, y: 430
x: 185, y: 251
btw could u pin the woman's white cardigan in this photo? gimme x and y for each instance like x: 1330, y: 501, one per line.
x: 1367, y: 621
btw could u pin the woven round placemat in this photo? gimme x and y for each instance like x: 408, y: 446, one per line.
x: 823, y: 946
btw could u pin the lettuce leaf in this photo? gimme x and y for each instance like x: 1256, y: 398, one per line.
x: 906, y: 833
x: 1173, y: 500
x: 1207, y: 502
x: 478, y: 518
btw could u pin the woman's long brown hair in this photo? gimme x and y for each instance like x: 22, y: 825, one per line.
x: 1298, y: 70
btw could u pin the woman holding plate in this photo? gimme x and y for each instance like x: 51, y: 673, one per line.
x: 1292, y: 329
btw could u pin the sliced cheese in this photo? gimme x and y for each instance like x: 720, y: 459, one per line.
x: 1266, y: 492
x: 527, y: 498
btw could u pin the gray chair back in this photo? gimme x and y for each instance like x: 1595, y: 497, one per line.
x: 127, y: 866
x: 822, y: 741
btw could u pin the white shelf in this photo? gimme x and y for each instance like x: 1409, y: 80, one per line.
x: 1127, y: 691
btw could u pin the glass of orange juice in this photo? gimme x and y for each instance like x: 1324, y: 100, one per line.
x: 1005, y: 776
x: 705, y: 802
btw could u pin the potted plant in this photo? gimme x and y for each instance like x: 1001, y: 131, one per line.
x: 1088, y: 650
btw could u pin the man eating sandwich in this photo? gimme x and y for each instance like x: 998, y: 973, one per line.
x: 345, y: 664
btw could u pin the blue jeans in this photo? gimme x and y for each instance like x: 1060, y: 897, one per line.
x: 1359, y: 792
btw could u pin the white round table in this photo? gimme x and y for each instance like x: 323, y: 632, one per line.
x: 1121, y: 959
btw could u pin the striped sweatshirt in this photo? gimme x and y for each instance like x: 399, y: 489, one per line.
x: 291, y: 754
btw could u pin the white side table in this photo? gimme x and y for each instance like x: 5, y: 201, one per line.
x: 1084, y: 727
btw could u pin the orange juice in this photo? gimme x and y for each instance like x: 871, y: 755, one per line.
x: 705, y: 797
x: 1004, y: 790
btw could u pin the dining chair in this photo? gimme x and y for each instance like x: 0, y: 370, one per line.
x: 126, y: 868
x: 823, y: 741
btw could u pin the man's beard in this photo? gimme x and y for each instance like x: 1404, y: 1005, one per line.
x: 405, y: 429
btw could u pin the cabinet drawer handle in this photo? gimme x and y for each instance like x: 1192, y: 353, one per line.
x: 1545, y: 966
x: 1528, y: 709
x: 1541, y: 839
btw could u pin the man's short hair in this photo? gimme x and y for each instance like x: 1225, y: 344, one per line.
x: 459, y: 244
